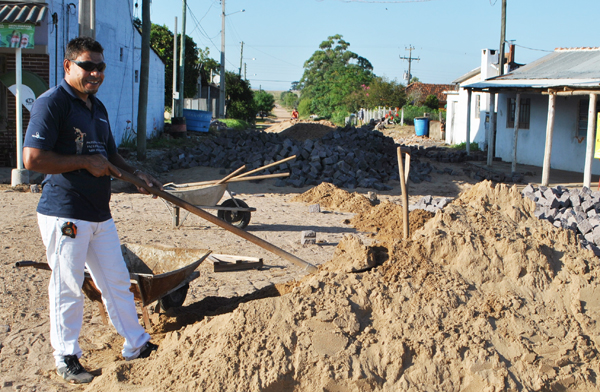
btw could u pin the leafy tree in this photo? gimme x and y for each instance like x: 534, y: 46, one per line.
x: 331, y: 74
x: 381, y: 92
x: 240, y: 98
x: 161, y: 40
x: 289, y: 99
x: 432, y: 101
x: 207, y: 64
x: 264, y: 101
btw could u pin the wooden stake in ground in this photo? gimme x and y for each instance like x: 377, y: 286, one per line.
x: 125, y: 176
x: 403, y: 179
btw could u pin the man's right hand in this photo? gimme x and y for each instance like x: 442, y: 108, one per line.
x: 99, y: 166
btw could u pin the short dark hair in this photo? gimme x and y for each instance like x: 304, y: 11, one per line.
x: 82, y: 44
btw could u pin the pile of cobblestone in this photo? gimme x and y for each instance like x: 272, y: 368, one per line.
x: 572, y: 209
x: 346, y: 157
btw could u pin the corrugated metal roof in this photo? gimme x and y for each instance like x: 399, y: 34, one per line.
x: 32, y: 12
x: 561, y: 64
x: 536, y: 83
x: 577, y: 68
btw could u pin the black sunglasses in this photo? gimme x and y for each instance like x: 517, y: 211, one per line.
x: 90, y: 66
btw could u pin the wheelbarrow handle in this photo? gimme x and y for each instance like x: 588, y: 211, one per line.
x: 34, y: 264
x: 125, y: 176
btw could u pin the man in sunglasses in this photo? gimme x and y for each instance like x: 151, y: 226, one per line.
x: 69, y: 139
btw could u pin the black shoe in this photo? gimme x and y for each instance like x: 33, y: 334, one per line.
x: 147, y: 350
x: 73, y: 372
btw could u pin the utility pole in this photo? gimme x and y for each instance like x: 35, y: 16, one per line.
x: 144, y: 75
x: 241, y: 57
x: 175, y: 97
x: 502, y: 38
x: 222, y: 73
x: 409, y: 59
x: 182, y: 61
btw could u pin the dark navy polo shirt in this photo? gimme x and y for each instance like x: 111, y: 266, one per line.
x: 61, y: 122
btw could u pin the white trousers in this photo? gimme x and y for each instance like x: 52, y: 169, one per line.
x: 96, y: 245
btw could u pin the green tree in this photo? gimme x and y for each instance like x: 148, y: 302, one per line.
x: 330, y: 75
x: 381, y: 92
x: 161, y: 40
x: 208, y: 65
x: 264, y: 101
x: 289, y: 99
x: 432, y: 101
x: 240, y: 98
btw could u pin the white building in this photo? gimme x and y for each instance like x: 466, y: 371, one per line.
x: 558, y: 112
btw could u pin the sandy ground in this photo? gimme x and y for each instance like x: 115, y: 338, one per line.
x: 26, y: 360
x: 26, y: 356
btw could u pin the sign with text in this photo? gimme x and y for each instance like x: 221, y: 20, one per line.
x: 16, y: 35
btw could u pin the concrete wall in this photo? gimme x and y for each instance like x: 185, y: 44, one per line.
x: 568, y: 150
x: 456, y: 118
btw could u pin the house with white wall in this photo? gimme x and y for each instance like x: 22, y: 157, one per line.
x: 56, y: 23
x: 555, y: 101
x: 456, y: 115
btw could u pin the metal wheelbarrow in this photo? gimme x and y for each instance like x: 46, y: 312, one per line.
x: 232, y: 210
x: 157, y: 273
x: 206, y: 195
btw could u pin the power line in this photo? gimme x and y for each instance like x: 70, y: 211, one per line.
x: 384, y: 2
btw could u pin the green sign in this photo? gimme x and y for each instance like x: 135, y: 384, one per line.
x: 16, y: 35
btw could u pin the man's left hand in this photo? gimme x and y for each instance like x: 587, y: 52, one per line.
x: 150, y: 181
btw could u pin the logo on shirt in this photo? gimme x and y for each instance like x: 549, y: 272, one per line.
x: 37, y: 136
x: 79, y: 139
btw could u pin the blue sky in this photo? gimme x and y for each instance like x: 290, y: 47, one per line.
x: 447, y: 35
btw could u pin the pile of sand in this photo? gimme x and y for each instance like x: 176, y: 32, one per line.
x: 485, y: 297
x: 387, y: 222
x: 329, y: 196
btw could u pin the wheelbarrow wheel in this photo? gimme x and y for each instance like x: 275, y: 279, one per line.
x: 174, y: 299
x: 239, y: 219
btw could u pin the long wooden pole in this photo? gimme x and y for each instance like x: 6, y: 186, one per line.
x: 235, y: 179
x: 513, y: 166
x: 591, y: 139
x: 266, y: 166
x: 233, y: 174
x: 491, y: 128
x: 125, y: 176
x: 549, y: 135
x: 404, y: 194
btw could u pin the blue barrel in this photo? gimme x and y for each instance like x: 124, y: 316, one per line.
x: 197, y: 120
x: 422, y: 126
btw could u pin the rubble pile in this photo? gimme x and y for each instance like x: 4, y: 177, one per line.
x: 573, y: 209
x: 348, y: 157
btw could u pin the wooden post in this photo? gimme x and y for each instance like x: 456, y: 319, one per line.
x: 468, y: 141
x: 404, y: 194
x: 549, y: 133
x: 491, y: 129
x: 589, y: 150
x: 513, y: 167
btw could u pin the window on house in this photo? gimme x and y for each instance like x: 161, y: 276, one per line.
x: 121, y: 54
x: 477, y: 106
x: 136, y: 75
x: 523, y: 114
